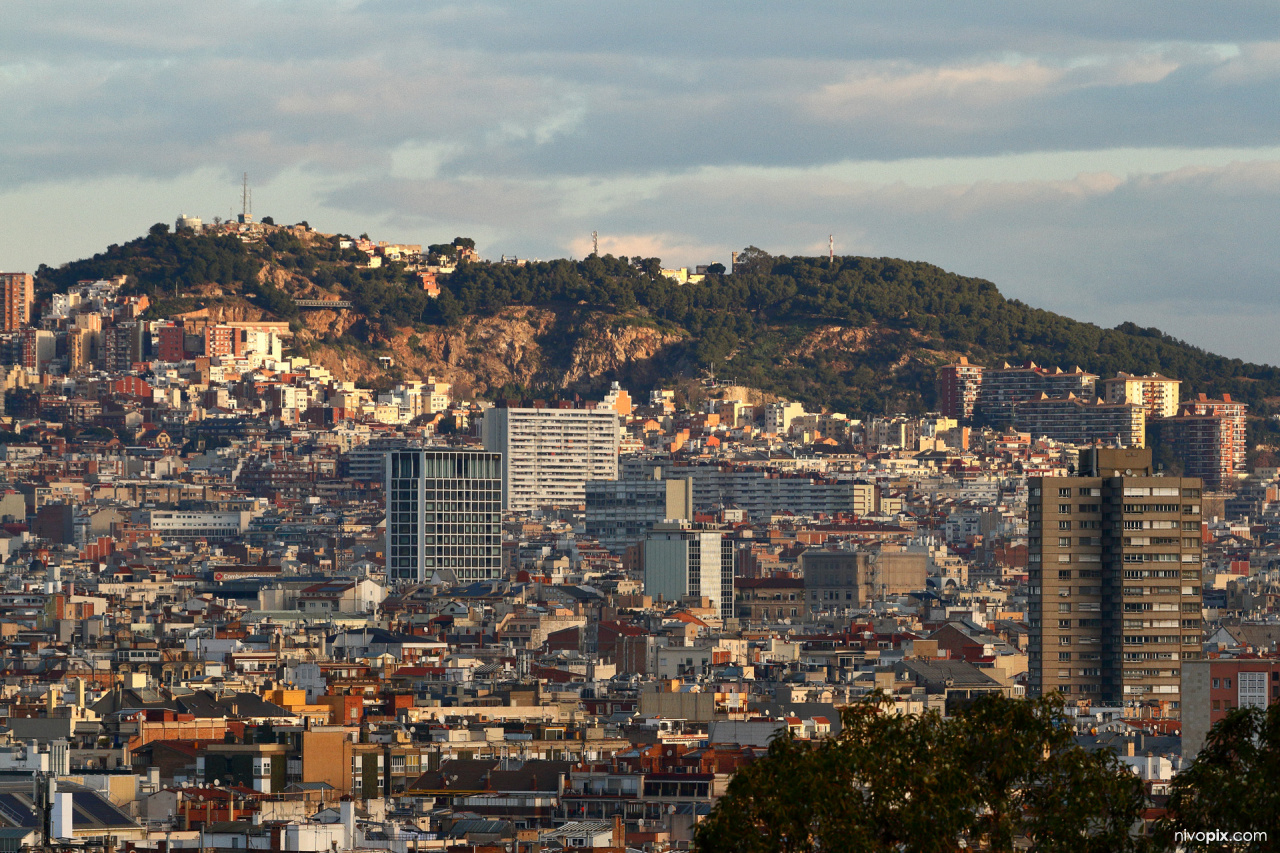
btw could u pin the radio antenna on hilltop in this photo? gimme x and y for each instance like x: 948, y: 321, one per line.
x: 831, y: 247
x: 595, y: 244
x: 246, y: 201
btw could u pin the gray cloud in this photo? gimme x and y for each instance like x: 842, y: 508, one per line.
x: 680, y: 127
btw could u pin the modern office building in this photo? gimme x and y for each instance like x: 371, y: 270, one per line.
x: 958, y: 385
x: 444, y: 513
x: 1156, y: 394
x: 1114, y: 565
x: 681, y: 561
x: 1072, y: 420
x: 622, y: 512
x: 1004, y: 387
x: 19, y: 294
x: 549, y: 454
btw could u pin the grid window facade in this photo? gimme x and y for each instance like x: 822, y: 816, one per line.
x: 444, y: 512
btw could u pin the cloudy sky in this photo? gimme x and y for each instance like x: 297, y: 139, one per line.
x: 1112, y: 161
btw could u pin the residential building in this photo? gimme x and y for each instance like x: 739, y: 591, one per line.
x: 1156, y: 394
x: 779, y: 415
x: 958, y: 386
x: 1211, y: 689
x: 761, y: 493
x: 682, y: 561
x: 19, y: 294
x: 622, y: 512
x: 549, y: 454
x: 1114, y: 570
x: 1071, y: 420
x: 444, y: 512
x: 845, y: 579
x: 1209, y: 436
x: 1004, y: 387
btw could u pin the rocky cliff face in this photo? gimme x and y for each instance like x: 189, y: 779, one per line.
x: 520, y: 345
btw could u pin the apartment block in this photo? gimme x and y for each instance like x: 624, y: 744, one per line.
x: 622, y: 512
x: 1156, y: 394
x: 19, y: 293
x: 1073, y: 420
x: 444, y: 513
x: 1114, y: 565
x: 682, y: 561
x: 761, y: 493
x: 549, y: 454
x: 1004, y: 387
x: 1209, y: 436
x: 1211, y: 689
x: 958, y: 386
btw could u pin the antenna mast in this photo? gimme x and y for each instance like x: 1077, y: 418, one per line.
x: 244, y: 197
x: 831, y: 247
x: 595, y: 244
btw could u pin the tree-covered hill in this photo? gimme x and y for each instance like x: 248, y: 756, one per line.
x: 862, y: 335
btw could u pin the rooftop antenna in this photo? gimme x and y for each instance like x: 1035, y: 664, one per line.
x: 595, y: 244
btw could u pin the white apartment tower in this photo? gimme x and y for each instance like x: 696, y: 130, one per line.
x: 549, y: 454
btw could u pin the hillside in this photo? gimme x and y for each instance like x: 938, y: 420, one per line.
x: 862, y: 335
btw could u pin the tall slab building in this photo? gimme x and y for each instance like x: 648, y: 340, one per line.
x: 17, y: 296
x: 549, y: 454
x: 1115, y: 583
x: 444, y: 512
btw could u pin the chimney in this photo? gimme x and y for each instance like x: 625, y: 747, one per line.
x: 347, y: 811
x: 1128, y: 747
x: 619, y: 834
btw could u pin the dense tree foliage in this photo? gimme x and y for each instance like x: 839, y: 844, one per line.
x: 161, y: 264
x: 1231, y: 786
x: 998, y: 774
x: 748, y: 326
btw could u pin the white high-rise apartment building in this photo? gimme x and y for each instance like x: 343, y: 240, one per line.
x: 548, y: 455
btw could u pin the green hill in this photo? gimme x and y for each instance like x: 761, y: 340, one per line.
x: 862, y: 335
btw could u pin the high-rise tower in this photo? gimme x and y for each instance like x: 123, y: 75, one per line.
x: 444, y: 512
x: 1115, y: 588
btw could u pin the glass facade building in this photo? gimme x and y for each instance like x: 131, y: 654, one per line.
x: 444, y: 512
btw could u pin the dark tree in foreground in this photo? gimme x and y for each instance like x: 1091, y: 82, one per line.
x: 1000, y: 772
x: 1233, y: 786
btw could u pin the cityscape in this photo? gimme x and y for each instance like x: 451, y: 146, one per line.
x: 640, y: 428
x: 249, y: 603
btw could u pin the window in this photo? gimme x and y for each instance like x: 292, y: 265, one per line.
x: 1064, y: 509
x: 1064, y: 525
x: 1064, y: 541
x: 1064, y: 493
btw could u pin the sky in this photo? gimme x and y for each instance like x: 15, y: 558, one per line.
x: 1110, y: 161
